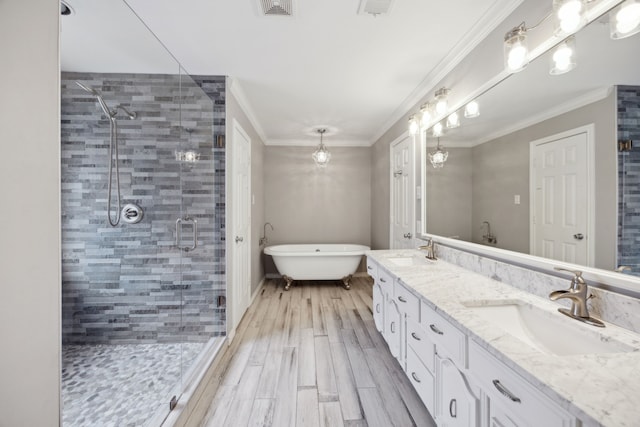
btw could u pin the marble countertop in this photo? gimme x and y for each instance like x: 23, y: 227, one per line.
x: 600, y: 389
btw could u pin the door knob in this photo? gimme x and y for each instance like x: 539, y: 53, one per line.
x: 578, y: 236
x: 407, y: 236
x: 239, y: 239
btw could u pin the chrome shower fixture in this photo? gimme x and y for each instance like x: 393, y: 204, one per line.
x: 111, y: 114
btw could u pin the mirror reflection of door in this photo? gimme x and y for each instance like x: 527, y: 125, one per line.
x: 561, y: 202
x: 402, y: 191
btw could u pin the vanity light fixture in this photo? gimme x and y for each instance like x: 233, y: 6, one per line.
x: 516, y: 50
x: 437, y: 129
x: 438, y: 157
x: 569, y: 16
x: 472, y: 109
x: 453, y: 121
x: 413, y: 125
x: 321, y: 156
x: 441, y: 101
x: 624, y: 20
x: 563, y: 59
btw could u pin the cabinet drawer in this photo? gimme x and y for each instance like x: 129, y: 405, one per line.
x: 407, y: 302
x: 422, y: 380
x: 448, y: 339
x: 419, y: 341
x: 519, y: 399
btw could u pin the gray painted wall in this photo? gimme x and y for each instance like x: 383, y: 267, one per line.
x: 307, y: 204
x: 30, y: 243
x: 449, y: 191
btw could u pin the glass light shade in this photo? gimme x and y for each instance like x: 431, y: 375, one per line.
x: 569, y: 15
x: 563, y: 59
x: 321, y: 156
x: 438, y: 157
x: 187, y: 156
x: 453, y: 121
x: 471, y: 110
x: 425, y: 112
x: 624, y: 20
x: 413, y: 125
x: 437, y: 129
x: 441, y: 101
x: 516, y: 50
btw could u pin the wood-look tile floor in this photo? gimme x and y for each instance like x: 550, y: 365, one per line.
x: 312, y: 356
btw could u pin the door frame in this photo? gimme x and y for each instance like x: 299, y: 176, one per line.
x: 233, y: 290
x: 589, y: 130
x: 412, y: 184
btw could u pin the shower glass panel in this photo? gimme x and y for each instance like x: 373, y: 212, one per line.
x: 142, y: 301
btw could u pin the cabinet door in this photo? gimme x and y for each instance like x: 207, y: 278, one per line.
x: 392, y: 331
x: 378, y: 307
x: 456, y: 405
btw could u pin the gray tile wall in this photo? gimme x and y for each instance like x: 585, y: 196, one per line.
x: 629, y: 178
x: 130, y: 283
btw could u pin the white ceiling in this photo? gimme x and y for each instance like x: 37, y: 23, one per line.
x: 325, y: 66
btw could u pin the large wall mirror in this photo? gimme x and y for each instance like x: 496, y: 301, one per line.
x: 495, y: 189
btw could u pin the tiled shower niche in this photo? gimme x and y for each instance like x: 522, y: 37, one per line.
x: 130, y: 284
x: 629, y: 178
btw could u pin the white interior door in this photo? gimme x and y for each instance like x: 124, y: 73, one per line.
x: 402, y: 194
x: 561, y: 198
x: 241, y: 223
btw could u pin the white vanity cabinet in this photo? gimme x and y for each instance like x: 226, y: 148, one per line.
x: 456, y: 404
x: 378, y: 296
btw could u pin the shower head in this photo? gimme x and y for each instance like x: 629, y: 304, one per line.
x: 130, y: 115
x: 110, y: 114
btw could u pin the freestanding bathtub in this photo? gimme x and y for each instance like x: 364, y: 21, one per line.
x: 317, y: 262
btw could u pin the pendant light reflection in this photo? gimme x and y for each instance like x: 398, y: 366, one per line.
x: 472, y: 110
x: 624, y: 20
x: 453, y: 121
x: 437, y: 129
x: 438, y: 157
x: 322, y: 155
x: 563, y: 59
x: 516, y: 50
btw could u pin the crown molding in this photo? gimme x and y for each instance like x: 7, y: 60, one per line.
x: 314, y: 142
x: 492, y: 18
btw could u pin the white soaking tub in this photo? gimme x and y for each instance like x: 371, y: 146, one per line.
x: 317, y: 261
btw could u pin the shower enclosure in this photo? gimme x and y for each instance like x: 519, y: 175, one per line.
x: 143, y: 299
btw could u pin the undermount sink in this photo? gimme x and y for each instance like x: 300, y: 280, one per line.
x: 402, y: 261
x: 548, y: 332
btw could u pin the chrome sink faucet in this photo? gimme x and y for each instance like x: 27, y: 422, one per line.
x: 577, y: 294
x: 430, y: 247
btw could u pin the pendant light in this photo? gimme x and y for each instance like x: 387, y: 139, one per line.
x: 413, y: 125
x: 516, y: 51
x: 438, y: 157
x: 625, y: 19
x: 322, y: 155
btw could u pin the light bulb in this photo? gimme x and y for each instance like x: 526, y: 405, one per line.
x: 426, y: 115
x: 413, y: 125
x: 441, y: 106
x: 628, y: 18
x: 453, y: 121
x: 472, y: 109
x: 441, y: 101
x: 437, y: 129
x: 517, y: 57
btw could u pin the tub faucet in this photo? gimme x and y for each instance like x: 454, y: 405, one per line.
x: 263, y: 239
x: 430, y: 247
x: 577, y: 294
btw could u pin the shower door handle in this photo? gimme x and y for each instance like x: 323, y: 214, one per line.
x: 179, y: 223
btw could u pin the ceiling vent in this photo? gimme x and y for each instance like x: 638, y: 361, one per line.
x: 375, y: 7
x: 277, y: 7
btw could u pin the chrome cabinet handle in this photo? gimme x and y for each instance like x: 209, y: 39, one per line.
x: 415, y: 337
x: 369, y: 267
x: 505, y: 391
x: 435, y: 329
x: 415, y: 377
x: 179, y: 223
x: 393, y: 327
x: 402, y: 299
x: 382, y: 280
x: 239, y: 239
x: 453, y: 408
x: 377, y: 308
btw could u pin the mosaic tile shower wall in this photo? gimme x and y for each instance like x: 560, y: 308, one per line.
x: 130, y: 284
x: 629, y: 178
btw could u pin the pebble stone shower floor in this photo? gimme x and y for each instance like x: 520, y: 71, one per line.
x: 120, y: 385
